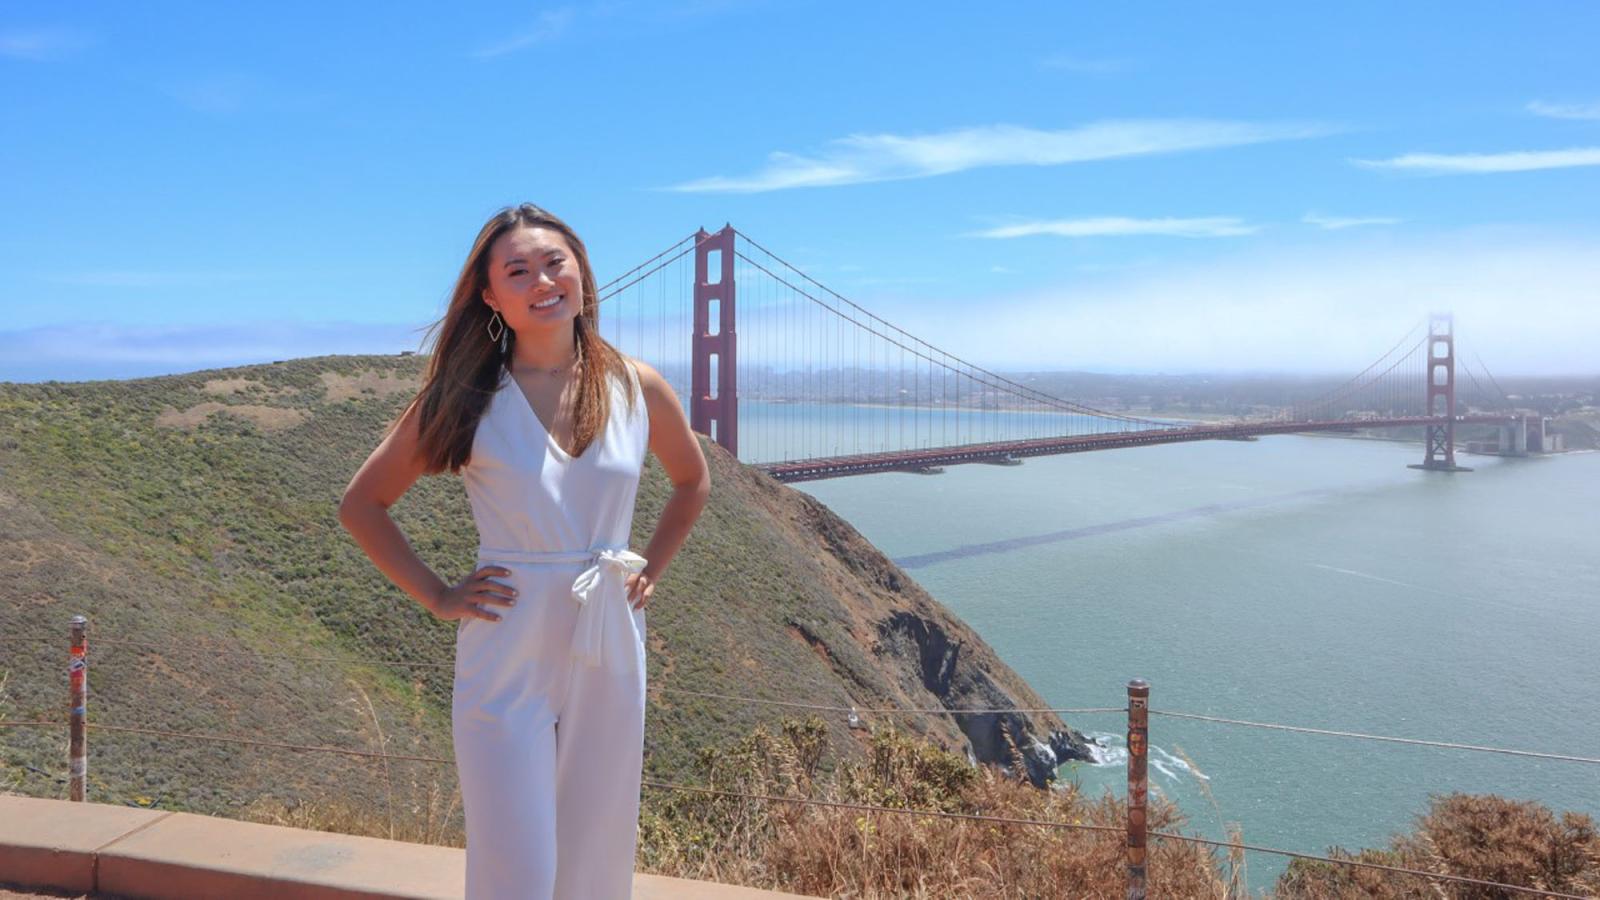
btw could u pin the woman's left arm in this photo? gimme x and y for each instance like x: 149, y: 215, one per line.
x: 679, y: 451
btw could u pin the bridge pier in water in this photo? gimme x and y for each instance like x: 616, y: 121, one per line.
x: 1520, y: 436
x: 1514, y: 437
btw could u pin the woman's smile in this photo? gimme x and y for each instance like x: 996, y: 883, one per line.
x: 534, y: 278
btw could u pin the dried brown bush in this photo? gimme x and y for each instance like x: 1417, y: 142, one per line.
x: 1477, y: 836
x: 835, y: 852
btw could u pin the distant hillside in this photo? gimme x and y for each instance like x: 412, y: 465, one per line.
x: 1581, y: 428
x: 196, y: 513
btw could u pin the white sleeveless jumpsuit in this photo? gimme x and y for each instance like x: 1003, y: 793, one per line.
x: 548, y: 706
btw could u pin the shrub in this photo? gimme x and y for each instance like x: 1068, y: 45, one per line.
x: 1485, y: 837
x: 830, y: 851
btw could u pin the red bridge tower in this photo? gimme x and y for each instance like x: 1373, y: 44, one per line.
x: 1440, y: 454
x: 715, y: 415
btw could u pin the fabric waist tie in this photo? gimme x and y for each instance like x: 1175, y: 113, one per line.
x: 605, y: 631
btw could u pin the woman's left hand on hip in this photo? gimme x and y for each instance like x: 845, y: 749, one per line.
x: 640, y: 587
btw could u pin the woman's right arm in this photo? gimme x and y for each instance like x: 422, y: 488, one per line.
x: 387, y: 474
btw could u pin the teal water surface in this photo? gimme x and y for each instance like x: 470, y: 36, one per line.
x: 1300, y: 580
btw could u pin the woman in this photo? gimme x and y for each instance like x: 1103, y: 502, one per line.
x: 548, y: 425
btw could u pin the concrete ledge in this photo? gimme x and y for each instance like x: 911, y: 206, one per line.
x: 86, y: 847
x: 186, y: 855
x: 53, y: 843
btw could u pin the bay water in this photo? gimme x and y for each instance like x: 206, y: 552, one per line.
x: 1312, y: 581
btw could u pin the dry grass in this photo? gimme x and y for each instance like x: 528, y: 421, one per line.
x: 227, y: 387
x: 267, y: 418
x: 848, y: 853
x: 9, y: 777
x: 370, y: 384
x: 830, y: 852
x: 421, y: 801
x: 1476, y: 836
x: 1237, y: 871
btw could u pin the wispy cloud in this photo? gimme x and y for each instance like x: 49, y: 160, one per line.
x: 1485, y: 163
x: 1523, y: 298
x: 42, y: 44
x: 1084, y: 65
x: 882, y: 157
x: 1336, y: 223
x: 1565, y: 110
x: 1118, y: 226
x: 550, y: 24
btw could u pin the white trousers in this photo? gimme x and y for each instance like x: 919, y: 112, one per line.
x: 549, y: 750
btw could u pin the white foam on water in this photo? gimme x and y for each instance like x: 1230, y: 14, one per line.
x: 1107, y: 749
x: 1112, y: 750
x: 1421, y: 587
x: 1354, y: 574
x: 1178, y: 763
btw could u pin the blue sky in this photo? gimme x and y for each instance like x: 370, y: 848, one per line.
x: 1177, y: 188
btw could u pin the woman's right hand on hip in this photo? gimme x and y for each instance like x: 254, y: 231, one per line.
x: 471, y: 598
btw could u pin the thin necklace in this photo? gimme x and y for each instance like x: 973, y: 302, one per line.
x: 556, y: 370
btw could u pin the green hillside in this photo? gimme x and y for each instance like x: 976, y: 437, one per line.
x: 192, y: 519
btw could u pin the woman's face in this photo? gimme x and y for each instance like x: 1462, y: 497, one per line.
x: 534, y: 280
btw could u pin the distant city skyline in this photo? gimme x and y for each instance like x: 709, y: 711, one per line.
x: 1167, y: 188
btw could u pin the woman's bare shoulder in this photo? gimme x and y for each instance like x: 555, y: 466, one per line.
x: 653, y: 383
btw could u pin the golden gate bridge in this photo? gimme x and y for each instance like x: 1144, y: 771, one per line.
x: 827, y: 389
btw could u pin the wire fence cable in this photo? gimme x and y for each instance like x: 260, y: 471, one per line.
x: 1377, y: 737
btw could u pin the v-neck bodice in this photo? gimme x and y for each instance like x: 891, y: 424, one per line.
x: 528, y: 493
x: 516, y: 388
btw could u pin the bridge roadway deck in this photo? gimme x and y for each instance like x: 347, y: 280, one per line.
x: 913, y: 460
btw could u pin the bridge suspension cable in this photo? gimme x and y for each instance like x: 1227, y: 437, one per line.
x: 1504, y: 397
x: 1306, y: 410
x: 998, y: 380
x: 607, y: 291
x: 829, y: 388
x: 1478, y: 388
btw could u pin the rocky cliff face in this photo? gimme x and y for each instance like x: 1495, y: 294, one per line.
x: 1001, y: 738
x: 923, y: 656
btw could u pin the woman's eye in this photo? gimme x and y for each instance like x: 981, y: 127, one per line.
x: 516, y: 272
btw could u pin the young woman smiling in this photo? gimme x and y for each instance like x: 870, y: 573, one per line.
x: 548, y: 425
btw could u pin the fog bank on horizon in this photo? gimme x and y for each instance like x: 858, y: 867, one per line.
x: 1526, y: 304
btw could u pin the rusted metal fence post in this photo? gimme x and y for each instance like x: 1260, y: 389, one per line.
x: 1138, y: 783
x: 78, y: 680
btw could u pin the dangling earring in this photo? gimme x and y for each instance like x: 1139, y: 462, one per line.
x: 495, y: 322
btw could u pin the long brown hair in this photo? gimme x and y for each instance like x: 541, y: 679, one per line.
x: 465, y: 366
